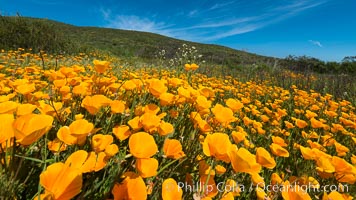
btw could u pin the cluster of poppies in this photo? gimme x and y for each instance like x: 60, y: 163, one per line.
x: 152, y: 130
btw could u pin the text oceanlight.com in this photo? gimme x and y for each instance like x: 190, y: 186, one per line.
x: 223, y: 187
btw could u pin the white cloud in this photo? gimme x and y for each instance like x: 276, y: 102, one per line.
x: 192, y: 13
x: 202, y: 28
x: 132, y: 22
x: 317, y: 43
x: 220, y: 5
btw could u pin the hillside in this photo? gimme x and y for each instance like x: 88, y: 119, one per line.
x: 122, y: 43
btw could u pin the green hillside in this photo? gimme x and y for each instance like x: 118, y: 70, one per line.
x: 57, y: 36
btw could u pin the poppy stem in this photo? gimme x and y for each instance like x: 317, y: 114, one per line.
x: 169, y: 164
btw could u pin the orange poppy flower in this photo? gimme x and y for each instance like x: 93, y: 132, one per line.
x: 232, y: 187
x: 341, y: 149
x: 117, y: 106
x: 26, y: 88
x: 80, y: 90
x: 324, y: 165
x: 101, y: 66
x: 171, y: 190
x: 243, y: 161
x: 121, y: 132
x: 142, y: 145
x: 8, y: 107
x: 172, y: 148
x: 129, y: 85
x: 151, y: 108
x: 182, y: 92
x: 49, y: 109
x: 220, y: 169
x: 309, y: 114
x: 165, y: 128
x: 147, y: 167
x: 167, y: 99
x: 61, y: 181
x: 342, y: 166
x: 29, y: 128
x: 132, y: 187
x: 65, y: 136
x: 288, y: 124
x: 234, y: 105
x: 81, y: 128
x: 6, y: 128
x: 307, y: 153
x: 100, y: 142
x: 218, y: 146
x: 175, y: 82
x: 202, y: 103
x: 192, y: 67
x: 280, y: 141
x: 87, y: 162
x: 257, y: 180
x: 24, y: 109
x: 316, y: 123
x: 264, y: 158
x: 211, y: 189
x: 294, y: 192
x: 56, y: 146
x: 150, y: 121
x: 223, y: 114
x: 261, y: 194
x: 301, y: 123
x: 276, y: 179
x: 205, y: 169
x: 111, y: 150
x: 93, y: 103
x: 333, y: 195
x: 135, y: 123
x: 157, y: 87
x: 277, y: 150
x: 228, y: 196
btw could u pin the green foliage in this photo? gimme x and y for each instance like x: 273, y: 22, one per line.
x: 305, y: 63
x: 51, y: 35
x: 36, y: 34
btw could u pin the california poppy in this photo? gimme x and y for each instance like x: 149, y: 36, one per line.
x: 61, y: 181
x: 223, y: 114
x: 121, y: 132
x: 142, y: 145
x: 29, y: 128
x: 278, y: 150
x: 101, y: 66
x: 218, y: 146
x: 157, y: 87
x: 264, y: 158
x: 147, y: 167
x: 243, y: 161
x: 172, y: 148
x: 132, y: 187
x: 100, y: 142
x: 6, y: 129
x: 171, y: 190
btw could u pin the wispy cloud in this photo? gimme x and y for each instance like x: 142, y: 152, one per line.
x: 314, y: 42
x: 272, y: 16
x: 192, y: 13
x: 132, y: 22
x: 210, y: 23
x: 221, y: 5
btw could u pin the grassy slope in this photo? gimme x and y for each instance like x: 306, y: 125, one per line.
x: 146, y: 45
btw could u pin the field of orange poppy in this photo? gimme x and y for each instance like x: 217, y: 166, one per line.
x: 85, y: 127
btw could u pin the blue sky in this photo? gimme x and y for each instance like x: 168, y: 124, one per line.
x: 325, y: 29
